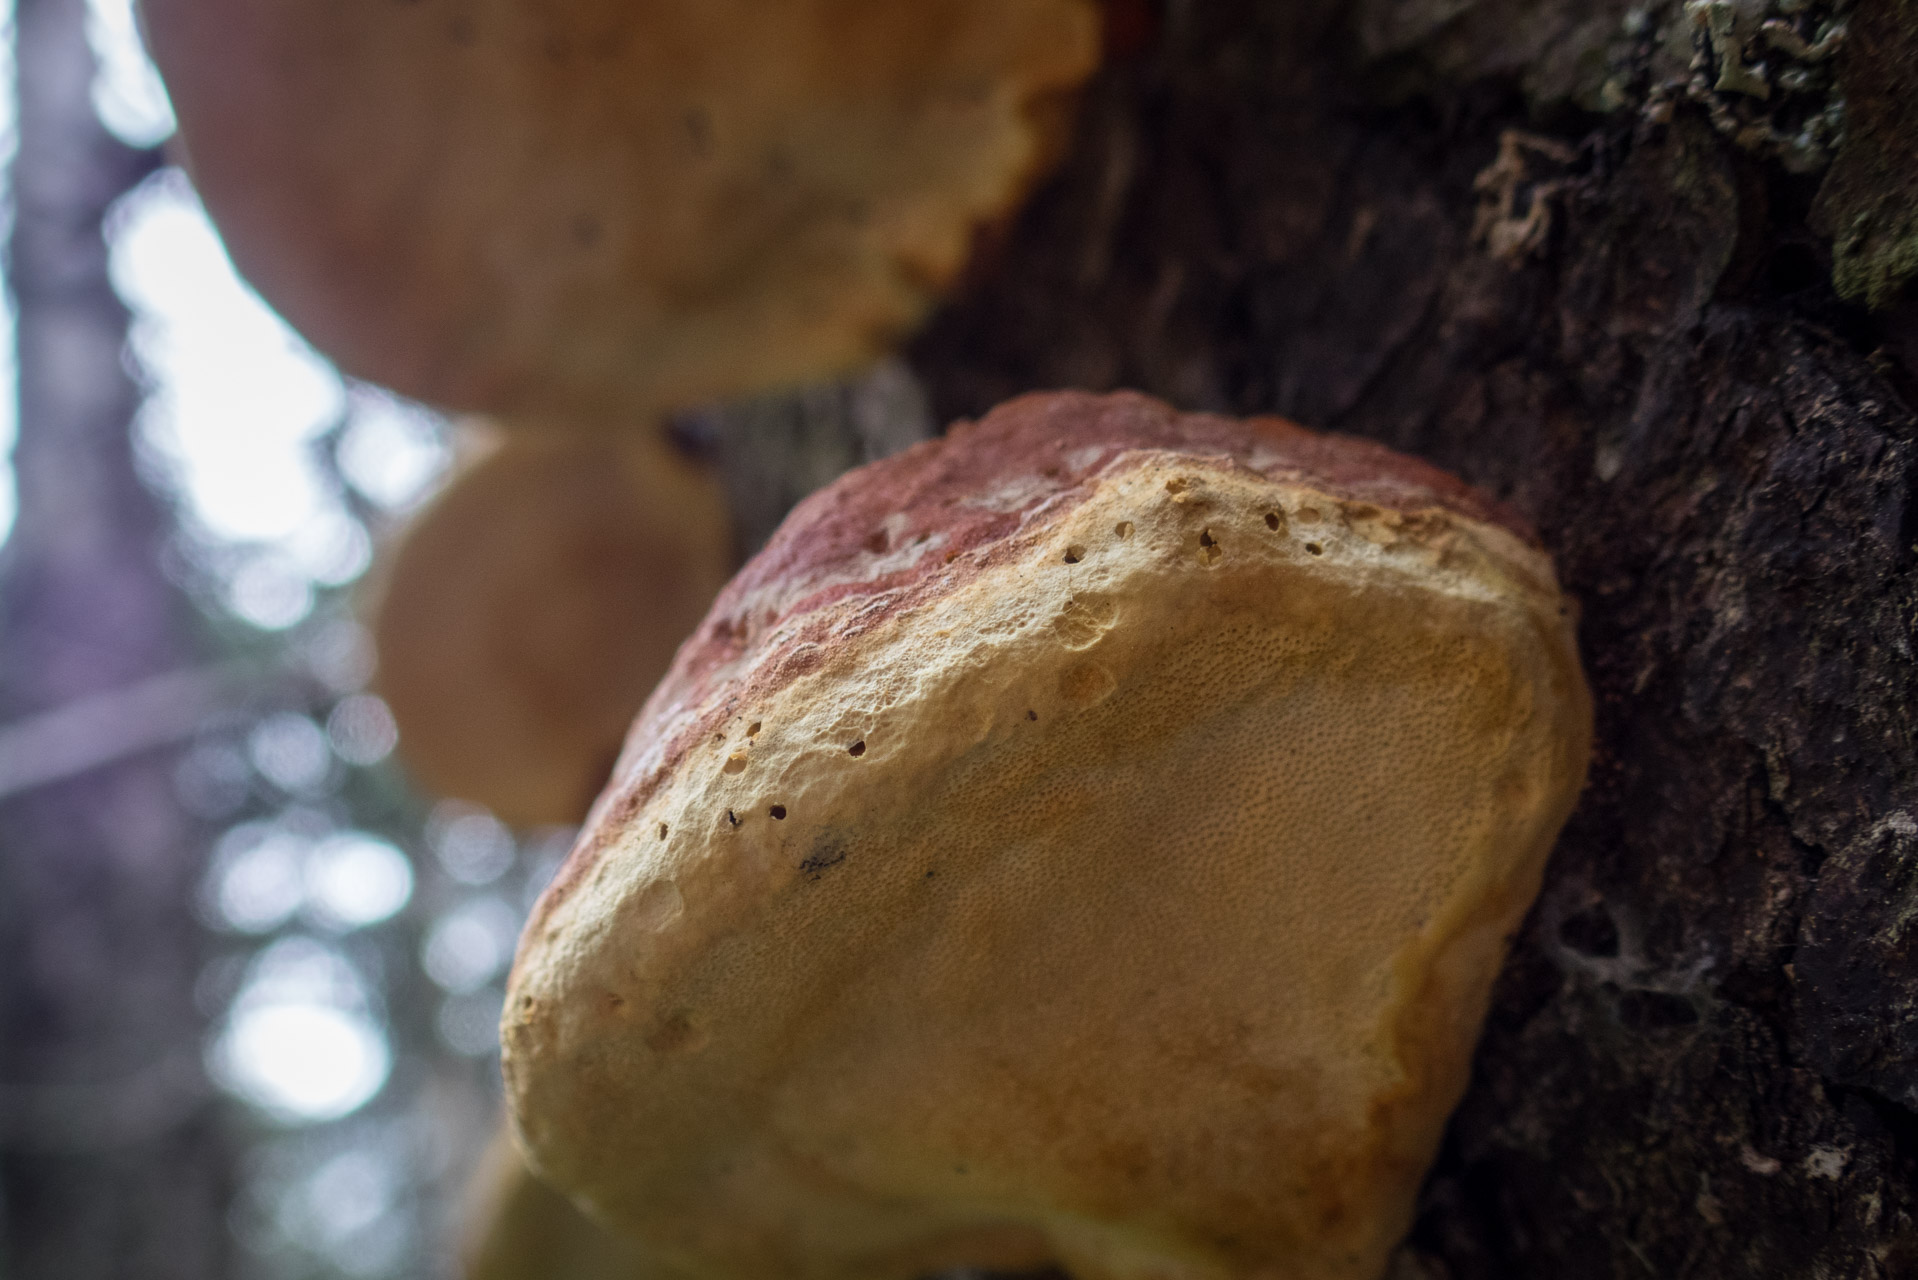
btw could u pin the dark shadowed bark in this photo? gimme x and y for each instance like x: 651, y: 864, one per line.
x: 110, y: 1165
x: 1417, y: 222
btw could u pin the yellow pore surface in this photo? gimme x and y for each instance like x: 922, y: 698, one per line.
x: 528, y: 610
x: 604, y: 207
x: 1134, y: 905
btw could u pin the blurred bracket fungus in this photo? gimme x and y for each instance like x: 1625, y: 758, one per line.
x: 1087, y: 839
x: 598, y: 211
x: 522, y: 1229
x: 526, y: 612
x: 583, y: 217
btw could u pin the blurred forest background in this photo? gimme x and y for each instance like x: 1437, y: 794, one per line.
x: 249, y: 982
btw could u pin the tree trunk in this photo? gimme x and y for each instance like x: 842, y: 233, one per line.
x: 1415, y: 220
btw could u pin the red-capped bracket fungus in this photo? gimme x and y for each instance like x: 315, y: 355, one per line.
x: 523, y: 615
x: 1088, y: 838
x: 601, y: 209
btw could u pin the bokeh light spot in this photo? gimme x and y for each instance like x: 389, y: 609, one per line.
x: 362, y: 730
x: 354, y: 879
x: 393, y: 452
x: 256, y: 879
x: 128, y: 96
x: 290, y: 751
x: 471, y: 945
x: 471, y: 844
x: 302, y: 1063
x: 238, y: 397
x: 269, y: 592
x: 298, y: 1042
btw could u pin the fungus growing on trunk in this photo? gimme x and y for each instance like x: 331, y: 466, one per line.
x: 605, y: 208
x: 525, y: 614
x: 1089, y: 838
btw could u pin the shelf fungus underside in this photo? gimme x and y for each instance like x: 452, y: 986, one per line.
x: 1090, y: 838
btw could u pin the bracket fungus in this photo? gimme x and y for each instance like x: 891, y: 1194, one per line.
x: 526, y: 612
x: 602, y: 208
x: 1088, y: 838
x: 521, y: 1229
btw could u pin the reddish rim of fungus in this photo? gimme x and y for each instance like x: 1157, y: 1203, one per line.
x: 948, y: 510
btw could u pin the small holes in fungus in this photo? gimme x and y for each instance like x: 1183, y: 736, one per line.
x: 662, y: 831
x: 736, y: 762
x: 1177, y: 485
x: 1032, y: 715
x: 857, y: 749
x: 1273, y: 522
x: 778, y: 811
x: 756, y: 727
x: 732, y: 817
x: 1209, y: 550
x: 1308, y: 515
x: 1075, y: 553
x: 1123, y: 529
x: 1313, y: 548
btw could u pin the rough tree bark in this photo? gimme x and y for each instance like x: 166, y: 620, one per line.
x: 111, y: 1164
x: 1703, y: 1056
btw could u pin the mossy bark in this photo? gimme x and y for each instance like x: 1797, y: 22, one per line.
x: 1703, y: 1056
x: 1869, y: 203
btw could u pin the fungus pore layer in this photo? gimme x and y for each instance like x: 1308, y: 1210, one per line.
x: 1158, y: 792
